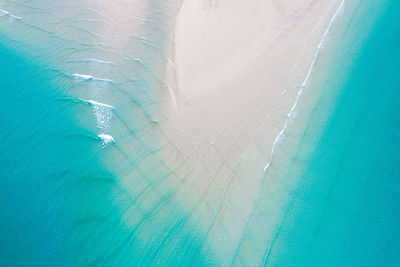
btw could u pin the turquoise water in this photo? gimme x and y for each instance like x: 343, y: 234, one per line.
x: 39, y: 143
x: 346, y: 207
x: 60, y: 203
x: 65, y: 199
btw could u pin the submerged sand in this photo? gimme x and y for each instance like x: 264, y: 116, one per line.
x: 194, y: 161
x: 237, y: 70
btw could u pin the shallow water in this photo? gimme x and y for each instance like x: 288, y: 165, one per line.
x: 83, y: 183
x: 345, y: 209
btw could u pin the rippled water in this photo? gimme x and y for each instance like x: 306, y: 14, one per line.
x: 345, y: 208
x: 84, y: 182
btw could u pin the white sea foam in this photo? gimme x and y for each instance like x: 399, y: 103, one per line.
x: 85, y: 77
x: 290, y: 115
x: 102, y: 112
x: 106, y: 139
x: 92, y: 60
x: 11, y: 17
x: 95, y: 103
x: 99, y: 61
x: 82, y: 77
x: 4, y: 13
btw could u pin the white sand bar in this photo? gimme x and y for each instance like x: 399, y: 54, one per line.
x: 239, y: 66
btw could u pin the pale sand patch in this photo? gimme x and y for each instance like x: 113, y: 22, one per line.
x: 237, y: 69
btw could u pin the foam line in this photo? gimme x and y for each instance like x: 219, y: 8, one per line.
x: 85, y: 77
x: 98, y: 61
x: 82, y: 77
x: 303, y: 85
x: 4, y: 13
x: 106, y: 139
x: 11, y: 16
x: 95, y: 103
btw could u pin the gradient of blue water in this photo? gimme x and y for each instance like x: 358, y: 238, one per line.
x: 43, y: 153
x: 60, y: 206
x: 346, y: 210
x: 59, y: 203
